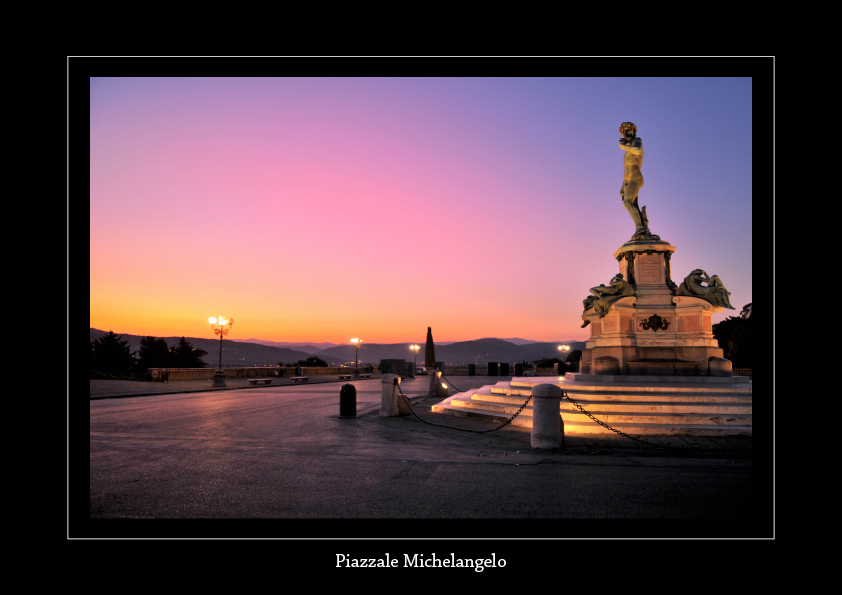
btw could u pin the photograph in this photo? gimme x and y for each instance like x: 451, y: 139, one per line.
x: 470, y: 311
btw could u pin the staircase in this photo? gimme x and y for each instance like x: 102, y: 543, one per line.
x: 635, y: 405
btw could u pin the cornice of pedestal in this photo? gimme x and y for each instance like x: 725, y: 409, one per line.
x: 644, y: 246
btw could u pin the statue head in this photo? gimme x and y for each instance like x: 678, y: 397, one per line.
x: 628, y: 127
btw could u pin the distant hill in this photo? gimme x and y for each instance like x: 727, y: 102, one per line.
x: 253, y: 353
x: 498, y: 350
x: 234, y: 353
x: 515, y: 340
x: 480, y: 351
x: 308, y: 347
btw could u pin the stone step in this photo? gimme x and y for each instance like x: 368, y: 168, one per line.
x: 715, y: 397
x: 581, y: 424
x: 513, y: 394
x: 666, y: 389
x: 663, y: 406
x: 681, y: 408
x: 650, y: 380
x: 612, y: 416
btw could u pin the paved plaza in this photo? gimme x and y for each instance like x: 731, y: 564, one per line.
x: 267, y: 458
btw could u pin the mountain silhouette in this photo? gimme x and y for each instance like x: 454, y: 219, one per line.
x: 460, y: 353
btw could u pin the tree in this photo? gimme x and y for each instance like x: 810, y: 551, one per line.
x: 430, y: 351
x: 153, y: 353
x: 549, y: 363
x: 313, y: 362
x: 574, y: 356
x: 184, y: 355
x: 111, y: 355
x: 734, y: 337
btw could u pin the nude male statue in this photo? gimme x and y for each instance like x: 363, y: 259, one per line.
x: 632, y: 178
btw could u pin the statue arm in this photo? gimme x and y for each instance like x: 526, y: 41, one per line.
x: 635, y: 147
x: 615, y: 288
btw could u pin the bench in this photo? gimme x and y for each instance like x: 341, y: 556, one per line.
x: 349, y: 376
x: 259, y: 380
x: 301, y: 378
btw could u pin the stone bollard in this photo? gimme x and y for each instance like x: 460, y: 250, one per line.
x: 437, y: 389
x: 547, y: 425
x: 348, y: 401
x: 392, y: 403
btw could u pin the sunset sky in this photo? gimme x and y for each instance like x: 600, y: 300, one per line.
x: 321, y: 209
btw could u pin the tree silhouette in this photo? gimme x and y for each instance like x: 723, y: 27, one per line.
x: 430, y: 351
x: 110, y: 354
x: 184, y: 355
x: 313, y: 362
x: 153, y: 353
x: 734, y: 337
x: 574, y: 356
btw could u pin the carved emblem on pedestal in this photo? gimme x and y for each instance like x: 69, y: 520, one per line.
x: 655, y: 323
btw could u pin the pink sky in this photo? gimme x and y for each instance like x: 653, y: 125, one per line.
x: 325, y: 209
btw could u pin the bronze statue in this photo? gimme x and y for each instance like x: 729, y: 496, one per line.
x: 715, y: 292
x: 603, y: 296
x: 632, y: 178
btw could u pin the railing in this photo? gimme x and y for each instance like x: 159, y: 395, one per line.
x: 252, y: 372
x: 483, y: 370
x: 175, y: 374
x: 742, y: 371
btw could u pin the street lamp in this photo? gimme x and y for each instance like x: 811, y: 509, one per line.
x: 357, y: 343
x: 564, y: 349
x: 415, y: 348
x: 220, y: 327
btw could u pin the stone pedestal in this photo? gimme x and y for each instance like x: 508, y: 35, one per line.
x: 653, y: 332
x: 218, y: 379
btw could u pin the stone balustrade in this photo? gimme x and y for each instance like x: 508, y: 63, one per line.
x: 264, y: 371
x: 251, y: 372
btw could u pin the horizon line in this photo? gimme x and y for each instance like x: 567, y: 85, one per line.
x: 364, y: 342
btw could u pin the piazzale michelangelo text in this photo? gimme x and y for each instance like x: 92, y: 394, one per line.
x: 420, y: 561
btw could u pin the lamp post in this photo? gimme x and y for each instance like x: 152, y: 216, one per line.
x: 220, y: 327
x: 357, y: 343
x: 415, y: 348
x: 564, y: 349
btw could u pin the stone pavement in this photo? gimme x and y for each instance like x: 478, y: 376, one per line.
x: 111, y: 389
x: 162, y: 451
x: 674, y: 445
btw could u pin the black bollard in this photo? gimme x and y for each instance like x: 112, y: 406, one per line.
x: 348, y: 401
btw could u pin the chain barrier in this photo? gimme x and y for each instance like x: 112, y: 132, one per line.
x: 508, y: 421
x: 604, y: 425
x: 505, y: 423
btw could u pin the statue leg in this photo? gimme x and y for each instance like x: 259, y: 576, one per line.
x: 634, y: 211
